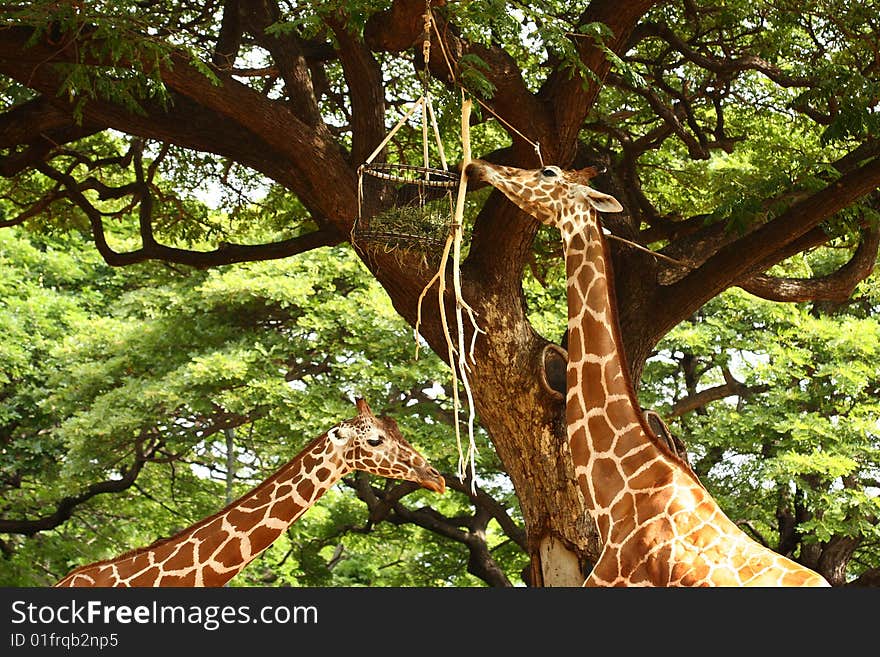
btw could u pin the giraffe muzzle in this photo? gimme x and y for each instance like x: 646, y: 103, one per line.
x: 475, y: 169
x: 432, y: 480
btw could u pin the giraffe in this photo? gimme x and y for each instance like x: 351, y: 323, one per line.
x: 212, y: 551
x: 657, y: 523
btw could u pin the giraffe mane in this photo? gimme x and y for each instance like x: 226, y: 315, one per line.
x: 658, y: 442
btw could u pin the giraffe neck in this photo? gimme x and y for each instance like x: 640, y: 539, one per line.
x: 609, y: 443
x: 657, y: 523
x: 215, y: 549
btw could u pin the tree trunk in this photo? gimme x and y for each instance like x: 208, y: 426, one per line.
x: 524, y: 419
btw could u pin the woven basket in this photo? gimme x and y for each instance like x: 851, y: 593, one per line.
x: 402, y: 206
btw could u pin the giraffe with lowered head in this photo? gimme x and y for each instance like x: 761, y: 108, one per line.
x: 657, y: 523
x: 212, y: 551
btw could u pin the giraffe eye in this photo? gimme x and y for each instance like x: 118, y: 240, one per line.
x: 375, y: 442
x: 549, y: 173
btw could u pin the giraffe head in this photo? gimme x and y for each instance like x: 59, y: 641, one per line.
x: 553, y: 196
x: 375, y: 445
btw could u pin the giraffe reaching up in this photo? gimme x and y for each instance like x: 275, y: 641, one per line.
x: 658, y: 525
x: 212, y: 551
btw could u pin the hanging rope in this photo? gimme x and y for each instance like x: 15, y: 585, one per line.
x: 384, y: 227
x: 459, y: 355
x: 457, y: 352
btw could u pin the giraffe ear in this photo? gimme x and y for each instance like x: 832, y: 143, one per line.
x: 340, y: 435
x: 602, y: 202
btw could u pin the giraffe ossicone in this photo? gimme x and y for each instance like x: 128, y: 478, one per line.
x: 658, y: 524
x: 215, y: 549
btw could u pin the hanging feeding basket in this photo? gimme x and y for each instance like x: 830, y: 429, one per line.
x: 401, y: 206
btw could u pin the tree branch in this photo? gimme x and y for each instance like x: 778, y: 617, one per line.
x: 288, y: 56
x: 183, y: 123
x: 836, y: 287
x: 152, y: 250
x: 571, y: 96
x: 31, y: 121
x: 65, y: 507
x: 669, y: 115
x: 229, y: 38
x: 729, y: 388
x: 739, y: 260
x: 363, y: 76
x: 726, y: 66
x: 309, y: 157
x: 385, y: 505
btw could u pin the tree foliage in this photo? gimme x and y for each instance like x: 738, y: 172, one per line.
x: 149, y: 367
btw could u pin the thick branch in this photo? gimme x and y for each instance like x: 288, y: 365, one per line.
x: 363, y: 75
x: 836, y: 287
x: 41, y: 126
x: 289, y: 58
x: 183, y: 123
x: 29, y: 122
x: 740, y: 259
x: 315, y: 157
x: 398, y: 28
x: 311, y: 158
x: 229, y: 38
x: 692, y: 242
